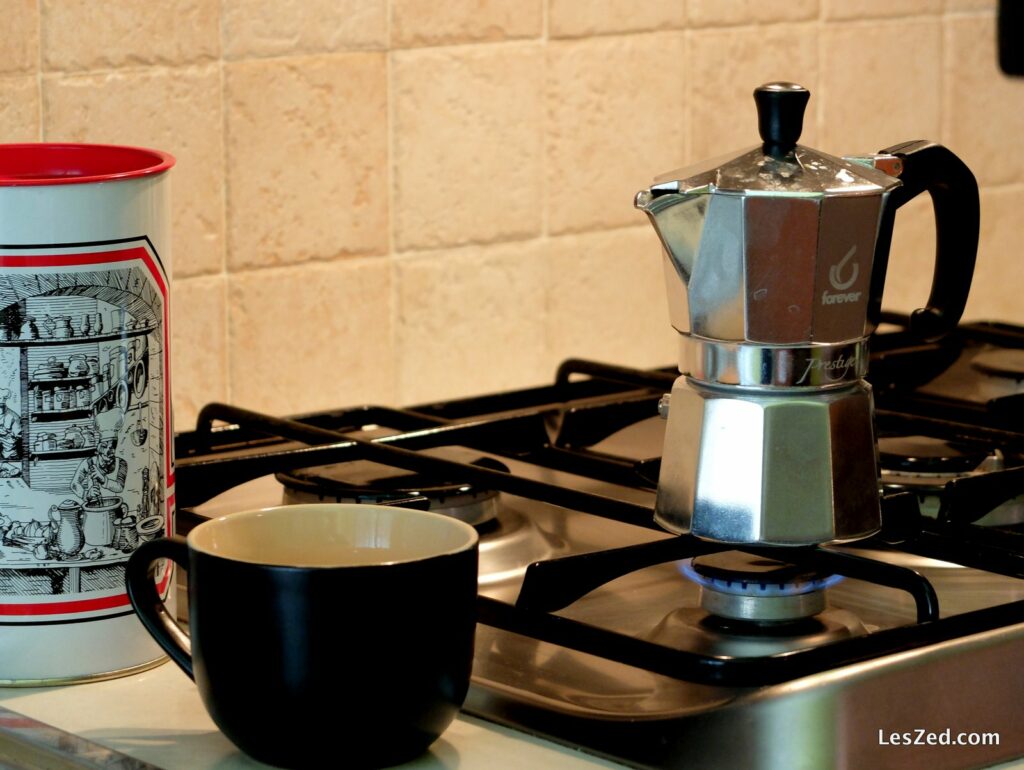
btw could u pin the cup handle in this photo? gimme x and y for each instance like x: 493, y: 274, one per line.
x: 147, y: 602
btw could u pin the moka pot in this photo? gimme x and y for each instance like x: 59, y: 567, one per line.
x: 775, y: 262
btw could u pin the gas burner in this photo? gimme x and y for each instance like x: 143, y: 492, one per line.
x: 742, y: 587
x: 925, y: 464
x: 752, y: 606
x: 362, y: 481
x: 689, y: 628
x: 508, y: 540
x: 923, y: 460
x: 1002, y: 362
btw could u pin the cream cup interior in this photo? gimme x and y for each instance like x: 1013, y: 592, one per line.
x: 332, y: 535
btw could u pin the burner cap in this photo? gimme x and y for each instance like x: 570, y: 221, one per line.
x: 363, y: 481
x: 742, y: 586
x: 748, y: 575
x: 1003, y: 362
x: 927, y: 454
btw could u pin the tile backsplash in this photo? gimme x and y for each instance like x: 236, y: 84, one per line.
x: 394, y: 201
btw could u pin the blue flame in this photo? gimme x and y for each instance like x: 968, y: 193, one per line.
x: 756, y: 587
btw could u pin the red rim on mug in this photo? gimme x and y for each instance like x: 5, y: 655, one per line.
x: 49, y: 164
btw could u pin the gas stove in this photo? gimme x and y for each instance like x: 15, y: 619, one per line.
x: 599, y: 630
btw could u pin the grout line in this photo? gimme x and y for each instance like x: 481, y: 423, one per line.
x: 396, y: 370
x: 544, y: 37
x: 442, y: 45
x: 226, y: 314
x: 394, y: 294
x: 545, y: 148
x: 509, y: 42
x: 945, y: 81
x: 222, y: 73
x: 820, y: 102
x: 128, y: 69
x: 974, y: 13
x: 415, y: 254
x: 40, y: 132
x: 688, y: 115
x: 389, y: 76
x: 1000, y: 187
x: 545, y: 167
x: 298, y: 55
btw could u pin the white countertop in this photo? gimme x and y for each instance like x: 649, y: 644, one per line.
x: 157, y: 717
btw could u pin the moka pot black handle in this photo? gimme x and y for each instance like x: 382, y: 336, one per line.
x: 930, y: 167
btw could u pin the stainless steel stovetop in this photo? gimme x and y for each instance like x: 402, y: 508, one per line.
x: 584, y: 649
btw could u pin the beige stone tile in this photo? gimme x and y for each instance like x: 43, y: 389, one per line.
x: 19, y: 108
x: 177, y: 110
x: 199, y: 372
x: 864, y: 9
x: 572, y: 18
x: 311, y: 337
x: 615, y: 118
x: 995, y: 292
x: 83, y: 34
x: 470, y: 320
x: 416, y: 23
x: 908, y: 279
x: 607, y: 301
x: 276, y: 27
x: 861, y: 108
x: 307, y: 158
x: 20, y: 49
x: 468, y: 144
x: 704, y: 13
x: 725, y: 67
x: 984, y: 108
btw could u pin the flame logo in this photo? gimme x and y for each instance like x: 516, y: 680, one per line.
x: 835, y: 272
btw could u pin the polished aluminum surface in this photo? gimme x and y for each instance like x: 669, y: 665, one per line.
x: 777, y: 268
x: 692, y: 629
x: 761, y: 608
x: 739, y: 586
x: 768, y: 265
x: 770, y: 467
x: 806, y: 172
x: 817, y: 722
x: 806, y: 366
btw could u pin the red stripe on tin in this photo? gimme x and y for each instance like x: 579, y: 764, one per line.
x: 76, y: 606
x: 168, y: 518
x: 70, y: 260
x: 66, y: 608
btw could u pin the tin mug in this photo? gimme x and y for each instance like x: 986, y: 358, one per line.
x: 84, y: 232
x: 322, y: 635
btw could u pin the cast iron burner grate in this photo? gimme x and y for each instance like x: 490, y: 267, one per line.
x: 370, y: 483
x: 554, y: 427
x: 975, y: 376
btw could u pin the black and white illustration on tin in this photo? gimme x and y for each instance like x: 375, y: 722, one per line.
x: 81, y: 425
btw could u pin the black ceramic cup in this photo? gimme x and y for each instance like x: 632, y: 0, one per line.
x: 322, y: 635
